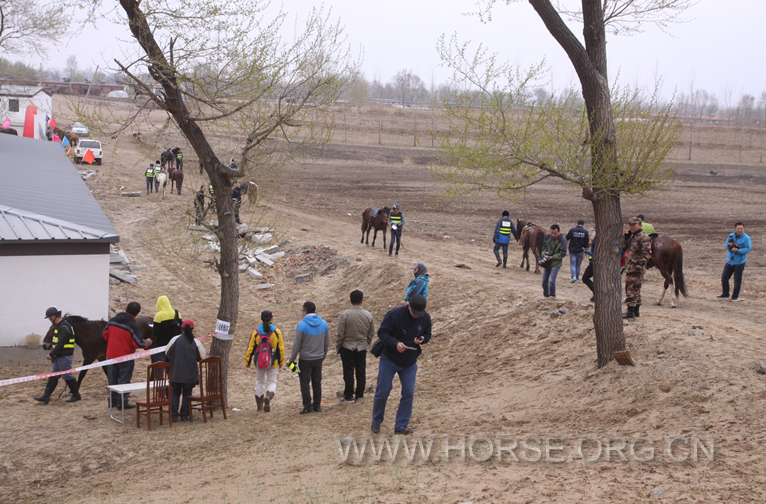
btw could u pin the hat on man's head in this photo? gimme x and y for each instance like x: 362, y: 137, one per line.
x: 634, y: 220
x: 53, y: 310
x: 397, y: 207
x: 188, y: 323
x: 418, y: 305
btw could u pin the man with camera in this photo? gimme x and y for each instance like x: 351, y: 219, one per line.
x: 639, y: 248
x: 738, y: 245
x: 554, y: 250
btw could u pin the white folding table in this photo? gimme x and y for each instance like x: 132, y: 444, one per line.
x: 122, y: 390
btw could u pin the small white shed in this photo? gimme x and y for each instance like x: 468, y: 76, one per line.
x: 14, y: 101
x: 54, y: 240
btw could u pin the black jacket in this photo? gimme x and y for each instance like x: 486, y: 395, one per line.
x: 165, y: 330
x: 64, y: 333
x: 577, y: 238
x: 398, y: 325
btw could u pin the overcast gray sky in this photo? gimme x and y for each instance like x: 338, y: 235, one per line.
x: 720, y: 49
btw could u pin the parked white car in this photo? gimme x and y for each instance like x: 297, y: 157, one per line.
x: 83, y: 145
x: 80, y: 129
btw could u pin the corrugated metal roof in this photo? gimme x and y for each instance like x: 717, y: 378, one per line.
x: 36, y: 177
x: 22, y: 225
x: 14, y: 90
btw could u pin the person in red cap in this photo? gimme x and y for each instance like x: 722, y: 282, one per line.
x: 184, y: 352
x: 123, y: 336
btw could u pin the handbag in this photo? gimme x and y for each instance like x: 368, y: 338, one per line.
x: 377, y: 348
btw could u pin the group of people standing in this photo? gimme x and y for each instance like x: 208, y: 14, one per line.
x: 167, y: 158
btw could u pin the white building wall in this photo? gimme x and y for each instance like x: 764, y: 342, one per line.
x: 78, y: 284
x: 42, y: 101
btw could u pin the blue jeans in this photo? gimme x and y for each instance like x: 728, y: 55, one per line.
x: 149, y: 184
x: 63, y: 364
x: 549, y: 281
x: 386, y: 372
x: 575, y: 261
x: 498, y: 246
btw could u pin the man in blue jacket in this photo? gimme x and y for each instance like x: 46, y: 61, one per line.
x: 738, y: 245
x: 402, y: 332
x: 312, y: 339
x: 502, y: 238
x: 577, y: 238
x: 420, y: 284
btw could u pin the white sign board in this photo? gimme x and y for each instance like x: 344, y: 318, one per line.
x: 222, y: 330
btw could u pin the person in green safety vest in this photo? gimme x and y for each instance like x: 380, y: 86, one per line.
x: 61, y: 355
x: 157, y: 169
x: 396, y: 220
x: 149, y: 173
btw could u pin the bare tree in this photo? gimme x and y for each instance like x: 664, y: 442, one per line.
x: 408, y: 85
x: 599, y: 166
x: 29, y: 27
x: 223, y: 70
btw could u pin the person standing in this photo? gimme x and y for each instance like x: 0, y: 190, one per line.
x: 123, y: 337
x: 312, y: 340
x: 639, y: 251
x: 577, y: 239
x: 396, y: 220
x: 179, y: 157
x: 420, y: 284
x: 236, y: 195
x: 647, y: 228
x: 554, y: 248
x: 586, y: 277
x: 199, y: 204
x: 402, y: 332
x: 167, y: 324
x: 503, y: 230
x: 184, y: 352
x: 166, y: 157
x: 61, y: 356
x: 149, y: 173
x: 738, y: 245
x: 356, y: 328
x: 266, y: 378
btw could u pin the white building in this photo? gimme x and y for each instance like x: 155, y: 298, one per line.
x: 14, y: 101
x: 54, y: 240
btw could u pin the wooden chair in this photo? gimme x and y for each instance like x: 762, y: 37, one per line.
x: 210, y: 388
x: 157, y: 394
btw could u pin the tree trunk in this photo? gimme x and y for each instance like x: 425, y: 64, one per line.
x: 607, y: 317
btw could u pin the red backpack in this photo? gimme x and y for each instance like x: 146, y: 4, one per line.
x: 264, y: 355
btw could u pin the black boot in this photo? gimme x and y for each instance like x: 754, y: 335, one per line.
x: 49, y: 388
x: 505, y: 261
x: 636, y: 310
x: 631, y: 313
x: 75, y: 388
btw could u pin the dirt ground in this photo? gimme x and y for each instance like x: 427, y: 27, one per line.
x: 498, y: 364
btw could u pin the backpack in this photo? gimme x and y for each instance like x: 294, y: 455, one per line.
x: 264, y: 355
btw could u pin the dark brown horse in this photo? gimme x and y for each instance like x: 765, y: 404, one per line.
x: 9, y: 131
x: 89, y: 336
x: 668, y: 257
x: 175, y: 176
x: 378, y: 223
x: 73, y: 138
x: 530, y: 237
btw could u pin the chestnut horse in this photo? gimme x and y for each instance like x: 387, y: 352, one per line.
x: 73, y: 138
x: 89, y: 336
x: 668, y: 257
x: 378, y: 223
x: 531, y: 237
x: 175, y: 175
x: 9, y: 131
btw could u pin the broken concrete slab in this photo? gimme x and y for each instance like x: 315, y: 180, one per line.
x: 243, y: 267
x: 271, y: 249
x: 263, y: 286
x: 254, y: 274
x: 136, y: 194
x: 122, y: 276
x: 137, y: 267
x: 251, y: 260
x: 213, y: 247
x: 262, y: 239
x: 194, y: 227
x: 303, y: 278
x: 210, y: 237
x: 265, y: 260
x: 114, y: 281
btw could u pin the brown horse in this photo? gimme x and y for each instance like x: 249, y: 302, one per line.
x: 176, y: 176
x: 9, y: 131
x: 73, y: 138
x: 378, y: 223
x: 668, y: 257
x: 531, y: 237
x: 89, y: 336
x: 251, y: 190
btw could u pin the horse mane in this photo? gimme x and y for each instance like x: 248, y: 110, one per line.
x: 77, y: 319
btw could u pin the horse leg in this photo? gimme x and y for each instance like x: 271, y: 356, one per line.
x: 363, y: 230
x: 537, y: 261
x: 523, y: 257
x: 665, y: 290
x: 384, y: 239
x: 374, y: 236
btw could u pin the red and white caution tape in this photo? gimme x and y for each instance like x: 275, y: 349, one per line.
x: 124, y: 358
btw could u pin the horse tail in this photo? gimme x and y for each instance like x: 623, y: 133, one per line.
x: 678, y: 271
x: 539, y: 241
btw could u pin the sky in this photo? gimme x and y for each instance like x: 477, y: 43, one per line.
x: 720, y: 48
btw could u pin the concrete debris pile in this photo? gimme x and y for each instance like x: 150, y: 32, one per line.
x: 87, y: 174
x: 118, y: 262
x: 305, y: 262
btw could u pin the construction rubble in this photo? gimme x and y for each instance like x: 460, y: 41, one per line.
x: 118, y: 263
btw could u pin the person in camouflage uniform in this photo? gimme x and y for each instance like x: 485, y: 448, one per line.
x: 639, y: 248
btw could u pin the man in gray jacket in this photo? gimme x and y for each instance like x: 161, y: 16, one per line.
x: 312, y: 340
x: 355, y: 331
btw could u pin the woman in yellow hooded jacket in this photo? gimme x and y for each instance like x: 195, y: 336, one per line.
x: 266, y: 378
x: 167, y: 324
